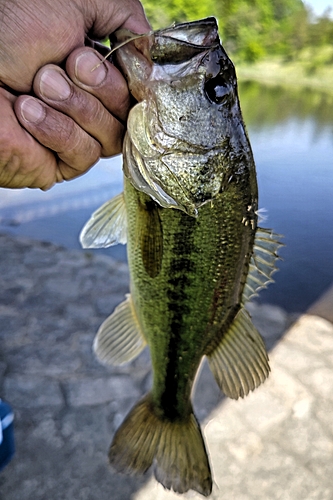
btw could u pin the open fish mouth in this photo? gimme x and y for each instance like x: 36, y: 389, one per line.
x: 183, y: 41
x: 175, y: 43
x: 187, y: 126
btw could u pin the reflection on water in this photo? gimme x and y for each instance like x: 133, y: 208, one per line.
x: 292, y: 138
x: 267, y: 106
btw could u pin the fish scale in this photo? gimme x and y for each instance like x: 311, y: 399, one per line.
x: 209, y: 243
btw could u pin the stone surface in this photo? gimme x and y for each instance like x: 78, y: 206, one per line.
x: 275, y: 444
x: 88, y: 391
x: 32, y: 392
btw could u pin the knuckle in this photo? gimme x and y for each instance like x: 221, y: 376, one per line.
x: 63, y: 134
x: 98, y: 123
x: 10, y: 156
x: 90, y: 111
x: 112, y: 144
x: 82, y: 152
x: 8, y: 170
x: 91, y: 150
x: 71, y: 167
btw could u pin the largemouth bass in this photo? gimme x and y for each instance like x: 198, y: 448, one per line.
x: 195, y: 253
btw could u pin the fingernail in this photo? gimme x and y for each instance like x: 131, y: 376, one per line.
x: 32, y: 111
x: 54, y: 86
x: 86, y: 70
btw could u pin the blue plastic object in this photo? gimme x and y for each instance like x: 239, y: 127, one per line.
x: 7, y: 445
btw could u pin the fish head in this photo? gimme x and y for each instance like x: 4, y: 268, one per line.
x: 185, y: 136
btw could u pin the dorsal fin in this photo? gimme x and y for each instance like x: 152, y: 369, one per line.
x: 107, y: 226
x: 262, y: 263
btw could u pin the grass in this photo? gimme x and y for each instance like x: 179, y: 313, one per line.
x: 313, y: 68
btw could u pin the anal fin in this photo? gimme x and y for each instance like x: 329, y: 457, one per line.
x: 240, y: 362
x: 107, y: 226
x: 119, y: 338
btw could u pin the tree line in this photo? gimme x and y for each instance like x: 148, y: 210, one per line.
x: 251, y: 29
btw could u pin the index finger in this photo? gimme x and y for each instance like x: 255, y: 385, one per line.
x: 104, y: 82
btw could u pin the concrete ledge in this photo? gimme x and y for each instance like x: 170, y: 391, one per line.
x: 323, y: 307
x: 278, y: 442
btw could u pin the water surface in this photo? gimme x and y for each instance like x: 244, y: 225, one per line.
x: 291, y: 133
x: 292, y: 138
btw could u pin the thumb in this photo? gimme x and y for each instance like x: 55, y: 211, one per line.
x: 108, y: 16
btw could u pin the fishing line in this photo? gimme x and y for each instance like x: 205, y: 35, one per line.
x: 136, y: 37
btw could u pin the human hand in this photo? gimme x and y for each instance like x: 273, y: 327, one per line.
x: 78, y: 114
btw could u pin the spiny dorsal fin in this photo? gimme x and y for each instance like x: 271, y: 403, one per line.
x: 262, y: 263
x: 240, y: 362
x: 107, y: 226
x: 176, y: 447
x: 119, y: 338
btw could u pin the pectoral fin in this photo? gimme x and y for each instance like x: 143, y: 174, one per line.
x: 119, y: 339
x: 240, y: 362
x: 107, y: 226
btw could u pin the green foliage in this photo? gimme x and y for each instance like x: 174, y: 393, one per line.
x: 321, y: 32
x: 165, y: 12
x: 251, y: 29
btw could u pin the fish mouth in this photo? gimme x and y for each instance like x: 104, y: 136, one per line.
x: 181, y: 42
x: 175, y: 44
x: 203, y: 32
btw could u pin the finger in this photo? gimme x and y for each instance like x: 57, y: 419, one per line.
x: 56, y: 89
x: 110, y: 16
x: 24, y: 162
x: 76, y: 149
x: 51, y: 30
x: 87, y: 68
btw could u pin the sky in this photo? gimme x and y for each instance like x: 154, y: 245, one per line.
x: 319, y: 5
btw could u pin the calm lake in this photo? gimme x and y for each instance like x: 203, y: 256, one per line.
x: 291, y: 132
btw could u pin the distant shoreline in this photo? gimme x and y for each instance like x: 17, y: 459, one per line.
x: 291, y: 74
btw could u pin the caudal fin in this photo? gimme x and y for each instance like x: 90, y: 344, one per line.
x: 176, y: 448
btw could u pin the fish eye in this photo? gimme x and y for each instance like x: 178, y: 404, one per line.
x: 217, y: 89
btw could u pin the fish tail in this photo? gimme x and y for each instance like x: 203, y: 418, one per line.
x: 176, y: 448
